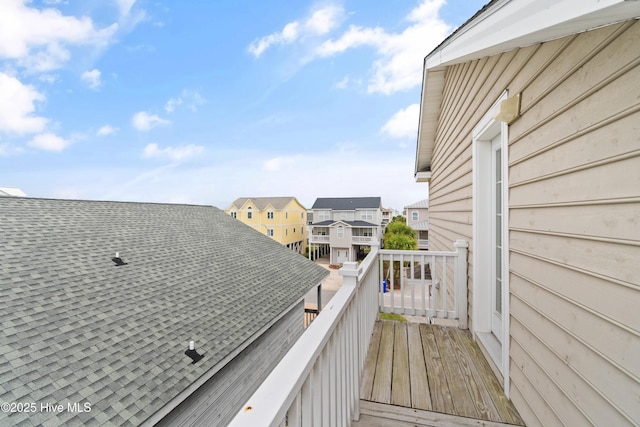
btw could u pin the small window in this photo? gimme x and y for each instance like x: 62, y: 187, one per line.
x: 286, y: 215
x: 234, y: 214
x: 270, y: 232
x: 269, y: 215
x: 286, y: 232
x: 340, y: 231
x: 249, y: 213
x: 414, y: 216
x: 294, y: 230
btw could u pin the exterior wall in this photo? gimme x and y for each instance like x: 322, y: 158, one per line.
x: 423, y: 215
x: 340, y: 242
x: 220, y: 399
x: 574, y: 217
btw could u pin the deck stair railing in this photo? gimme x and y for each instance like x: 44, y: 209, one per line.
x: 317, y: 383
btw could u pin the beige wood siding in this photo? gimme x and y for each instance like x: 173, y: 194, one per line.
x: 574, y: 217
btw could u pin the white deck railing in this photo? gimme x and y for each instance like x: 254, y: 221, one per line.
x: 317, y: 383
x: 425, y: 283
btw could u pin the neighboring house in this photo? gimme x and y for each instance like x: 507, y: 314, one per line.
x: 110, y: 340
x: 344, y: 227
x: 529, y: 139
x: 387, y: 216
x: 417, y: 215
x: 11, y: 191
x: 281, y: 218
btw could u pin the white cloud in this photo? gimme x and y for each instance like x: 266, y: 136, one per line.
x: 190, y: 98
x: 175, y: 154
x: 49, y: 142
x: 48, y: 78
x: 38, y: 39
x: 106, y: 130
x: 404, y: 123
x: 92, y: 78
x: 124, y: 6
x: 320, y: 22
x: 342, y: 84
x: 399, y: 55
x: 144, y: 121
x: 17, y: 107
x: 171, y: 104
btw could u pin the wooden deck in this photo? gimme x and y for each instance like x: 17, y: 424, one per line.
x: 430, y: 375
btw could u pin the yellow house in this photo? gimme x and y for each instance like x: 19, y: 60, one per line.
x: 281, y: 218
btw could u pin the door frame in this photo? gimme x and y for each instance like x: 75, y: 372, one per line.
x: 484, y: 132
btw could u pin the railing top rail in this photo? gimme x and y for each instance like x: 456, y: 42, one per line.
x: 421, y: 253
x: 286, y: 379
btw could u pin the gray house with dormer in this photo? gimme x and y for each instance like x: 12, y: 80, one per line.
x: 344, y: 227
x: 139, y: 313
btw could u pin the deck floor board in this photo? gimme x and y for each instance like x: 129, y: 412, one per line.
x: 434, y: 369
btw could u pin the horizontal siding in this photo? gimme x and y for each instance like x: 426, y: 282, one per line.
x: 574, y: 217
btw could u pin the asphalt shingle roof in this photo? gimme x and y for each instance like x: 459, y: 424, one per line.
x: 347, y: 203
x: 262, y: 202
x: 76, y: 328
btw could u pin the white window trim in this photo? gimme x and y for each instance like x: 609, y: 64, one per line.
x: 487, y: 129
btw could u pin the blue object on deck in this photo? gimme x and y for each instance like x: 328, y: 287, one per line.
x: 384, y: 286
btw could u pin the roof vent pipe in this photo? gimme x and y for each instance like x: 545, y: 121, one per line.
x: 119, y: 261
x: 193, y: 354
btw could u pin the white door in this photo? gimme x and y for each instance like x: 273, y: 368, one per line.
x: 342, y: 256
x: 496, y: 238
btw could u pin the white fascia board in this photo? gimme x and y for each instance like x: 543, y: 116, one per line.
x: 509, y: 24
x: 432, y: 88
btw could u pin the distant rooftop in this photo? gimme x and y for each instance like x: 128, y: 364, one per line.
x: 422, y: 204
x: 12, y: 191
x: 263, y: 202
x: 348, y: 203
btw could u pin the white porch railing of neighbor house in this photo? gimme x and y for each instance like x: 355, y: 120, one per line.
x: 317, y: 383
x: 319, y: 238
x: 360, y: 239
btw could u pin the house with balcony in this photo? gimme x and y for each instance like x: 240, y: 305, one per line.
x: 528, y: 140
x: 344, y: 227
x: 417, y: 215
x: 139, y: 313
x: 281, y: 218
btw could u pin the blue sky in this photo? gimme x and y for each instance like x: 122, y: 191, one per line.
x: 206, y: 101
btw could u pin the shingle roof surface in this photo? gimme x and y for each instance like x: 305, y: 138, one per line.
x: 76, y: 328
x: 347, y: 203
x: 262, y: 202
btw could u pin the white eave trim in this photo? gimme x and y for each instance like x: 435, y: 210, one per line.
x: 422, y: 177
x: 509, y: 24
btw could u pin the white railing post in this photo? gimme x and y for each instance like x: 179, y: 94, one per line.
x: 349, y: 273
x: 461, y: 283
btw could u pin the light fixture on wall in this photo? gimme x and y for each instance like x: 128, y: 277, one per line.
x: 509, y: 110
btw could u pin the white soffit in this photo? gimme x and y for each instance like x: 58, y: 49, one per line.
x: 507, y: 25
x: 428, y: 121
